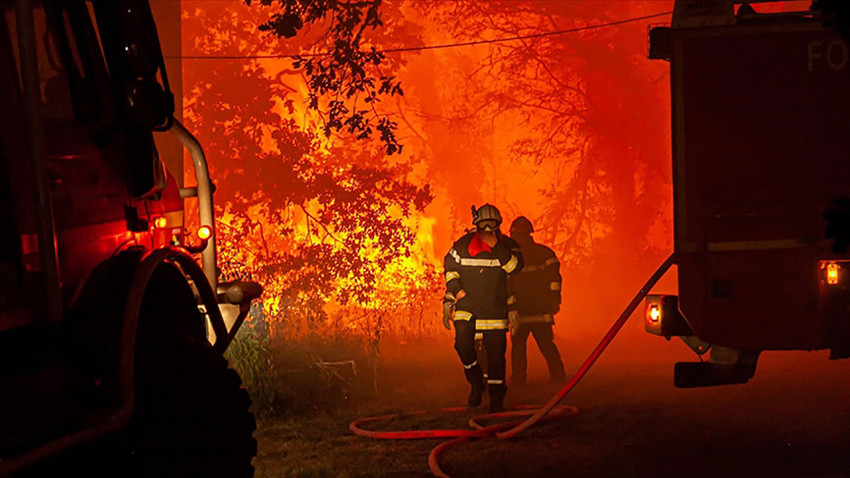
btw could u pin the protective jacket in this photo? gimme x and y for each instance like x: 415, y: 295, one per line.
x: 536, y: 290
x: 482, y: 273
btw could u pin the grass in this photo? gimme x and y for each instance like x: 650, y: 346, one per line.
x: 322, y: 446
x: 318, y: 443
x: 286, y: 376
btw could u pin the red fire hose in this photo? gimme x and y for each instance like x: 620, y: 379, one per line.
x: 510, y: 429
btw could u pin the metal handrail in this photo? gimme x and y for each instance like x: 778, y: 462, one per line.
x: 205, y: 199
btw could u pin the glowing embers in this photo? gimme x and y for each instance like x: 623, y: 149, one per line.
x: 663, y: 316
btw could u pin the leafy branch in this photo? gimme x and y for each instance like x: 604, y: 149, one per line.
x: 345, y: 75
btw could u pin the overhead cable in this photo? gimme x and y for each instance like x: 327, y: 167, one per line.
x: 435, y: 47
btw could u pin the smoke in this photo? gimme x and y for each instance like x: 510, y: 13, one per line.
x: 570, y: 130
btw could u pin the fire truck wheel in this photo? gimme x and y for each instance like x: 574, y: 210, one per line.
x: 191, y: 416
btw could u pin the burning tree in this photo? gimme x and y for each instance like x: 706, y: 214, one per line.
x: 579, y: 98
x: 322, y: 225
x: 336, y: 229
x: 342, y: 64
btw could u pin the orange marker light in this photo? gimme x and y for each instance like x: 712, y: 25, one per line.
x: 832, y: 273
x: 653, y: 313
x: 204, y: 232
x: 160, y: 222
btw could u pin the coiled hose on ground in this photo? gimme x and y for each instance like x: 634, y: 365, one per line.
x: 550, y: 411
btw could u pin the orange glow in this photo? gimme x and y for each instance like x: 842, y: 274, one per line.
x: 204, y: 232
x: 653, y: 313
x: 160, y: 222
x: 597, y: 187
x: 832, y: 273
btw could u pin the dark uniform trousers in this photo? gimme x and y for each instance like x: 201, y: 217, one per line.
x: 542, y: 333
x: 495, y: 343
x: 481, y: 271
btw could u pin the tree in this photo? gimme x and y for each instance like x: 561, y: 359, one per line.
x: 580, y: 99
x: 342, y: 64
x: 313, y: 222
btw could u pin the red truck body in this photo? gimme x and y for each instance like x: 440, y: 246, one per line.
x: 761, y: 150
x: 760, y: 153
x: 111, y: 333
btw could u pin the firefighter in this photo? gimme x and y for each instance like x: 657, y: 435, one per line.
x: 477, y: 269
x: 535, y: 295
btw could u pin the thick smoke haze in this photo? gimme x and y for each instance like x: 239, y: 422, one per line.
x: 570, y: 130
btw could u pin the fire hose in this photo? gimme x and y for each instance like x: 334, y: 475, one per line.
x: 550, y: 411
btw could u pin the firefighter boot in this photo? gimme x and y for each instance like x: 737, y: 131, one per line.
x: 476, y: 380
x: 497, y: 396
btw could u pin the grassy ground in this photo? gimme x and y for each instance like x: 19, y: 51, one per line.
x: 319, y: 444
x: 791, y: 420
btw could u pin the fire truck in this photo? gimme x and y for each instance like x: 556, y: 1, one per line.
x: 111, y: 333
x: 760, y: 156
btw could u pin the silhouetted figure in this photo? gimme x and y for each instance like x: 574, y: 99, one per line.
x: 477, y: 268
x: 536, y: 293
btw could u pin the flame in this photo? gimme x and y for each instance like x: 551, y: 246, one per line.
x: 585, y: 155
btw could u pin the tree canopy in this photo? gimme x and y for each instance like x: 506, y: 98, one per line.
x: 342, y: 64
x: 315, y: 222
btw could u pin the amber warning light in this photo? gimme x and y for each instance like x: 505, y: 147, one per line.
x: 160, y: 222
x: 653, y: 313
x: 663, y: 316
x: 204, y: 232
x: 832, y: 273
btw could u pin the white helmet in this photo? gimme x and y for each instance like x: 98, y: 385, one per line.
x: 486, y: 218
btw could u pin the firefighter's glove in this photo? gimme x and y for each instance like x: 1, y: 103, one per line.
x: 513, y: 320
x: 448, y: 309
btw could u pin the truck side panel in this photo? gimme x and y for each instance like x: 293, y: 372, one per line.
x: 761, y: 149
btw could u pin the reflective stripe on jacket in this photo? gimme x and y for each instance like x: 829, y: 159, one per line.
x: 484, y: 279
x: 536, y: 319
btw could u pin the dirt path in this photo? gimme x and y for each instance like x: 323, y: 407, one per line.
x: 791, y: 420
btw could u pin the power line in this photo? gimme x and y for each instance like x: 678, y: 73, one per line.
x: 438, y: 47
x: 446, y: 1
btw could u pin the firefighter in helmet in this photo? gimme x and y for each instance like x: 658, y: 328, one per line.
x: 535, y: 294
x: 477, y: 269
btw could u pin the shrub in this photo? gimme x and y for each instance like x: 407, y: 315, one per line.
x: 322, y: 373
x: 250, y: 355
